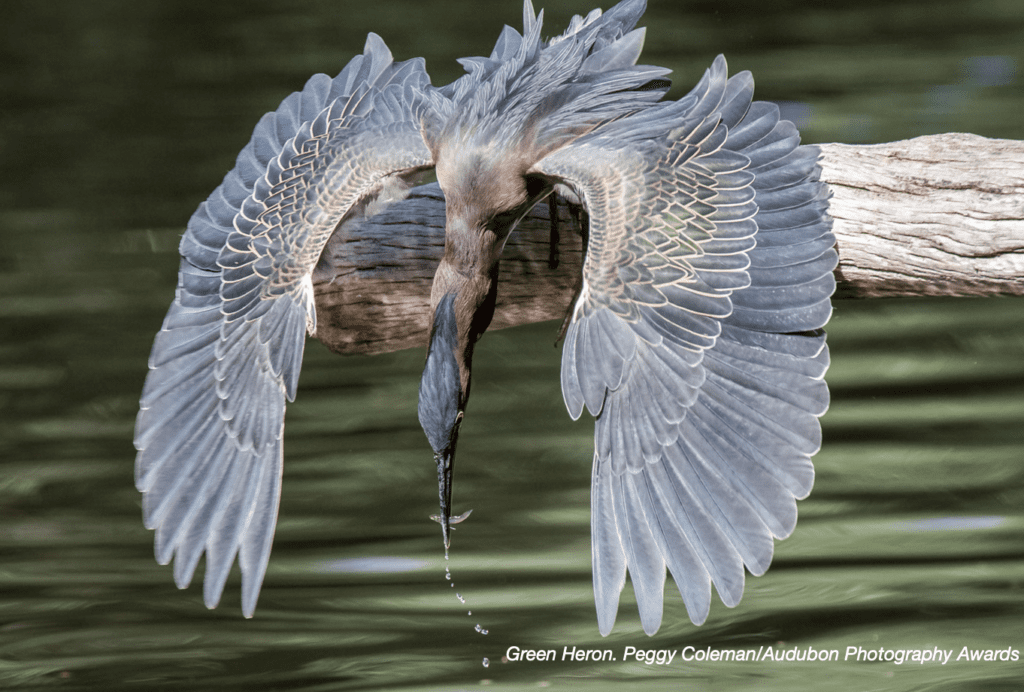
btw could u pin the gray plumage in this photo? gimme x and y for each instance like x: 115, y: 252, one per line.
x: 695, y: 342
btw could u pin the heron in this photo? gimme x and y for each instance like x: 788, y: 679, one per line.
x: 695, y: 341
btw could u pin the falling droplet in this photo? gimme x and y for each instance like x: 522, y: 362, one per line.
x: 486, y: 663
x: 451, y: 584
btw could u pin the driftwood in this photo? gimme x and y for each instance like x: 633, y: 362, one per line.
x: 936, y: 215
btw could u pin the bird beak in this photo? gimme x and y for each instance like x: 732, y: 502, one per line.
x: 445, y: 460
x: 445, y: 466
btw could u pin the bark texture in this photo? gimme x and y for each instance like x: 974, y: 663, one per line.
x: 935, y: 215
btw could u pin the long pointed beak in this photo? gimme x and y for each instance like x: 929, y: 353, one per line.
x: 445, y: 467
x: 445, y: 460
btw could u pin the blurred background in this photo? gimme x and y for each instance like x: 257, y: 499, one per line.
x: 120, y: 116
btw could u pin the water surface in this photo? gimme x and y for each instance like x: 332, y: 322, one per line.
x: 120, y: 117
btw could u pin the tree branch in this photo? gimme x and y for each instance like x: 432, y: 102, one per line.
x: 935, y: 215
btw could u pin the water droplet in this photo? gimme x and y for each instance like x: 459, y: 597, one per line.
x: 448, y: 576
x: 486, y: 663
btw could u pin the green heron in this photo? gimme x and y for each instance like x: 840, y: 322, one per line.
x: 695, y: 339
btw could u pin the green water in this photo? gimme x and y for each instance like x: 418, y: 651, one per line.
x: 119, y: 117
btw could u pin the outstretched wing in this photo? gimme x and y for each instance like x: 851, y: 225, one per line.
x: 211, y: 419
x: 693, y: 341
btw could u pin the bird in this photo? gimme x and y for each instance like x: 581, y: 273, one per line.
x: 695, y: 340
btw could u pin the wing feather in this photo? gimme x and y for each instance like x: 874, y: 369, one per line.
x: 645, y: 560
x: 696, y: 340
x: 673, y: 531
x: 210, y: 426
x: 607, y: 556
x: 682, y: 493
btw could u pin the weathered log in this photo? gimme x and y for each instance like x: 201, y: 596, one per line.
x: 935, y: 215
x: 373, y: 281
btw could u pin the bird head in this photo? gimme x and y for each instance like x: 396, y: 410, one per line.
x: 462, y: 305
x: 442, y: 400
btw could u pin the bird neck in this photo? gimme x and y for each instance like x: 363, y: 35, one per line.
x: 470, y: 296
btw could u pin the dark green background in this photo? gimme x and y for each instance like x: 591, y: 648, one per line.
x: 118, y: 118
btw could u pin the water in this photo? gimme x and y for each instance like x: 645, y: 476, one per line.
x: 120, y: 117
